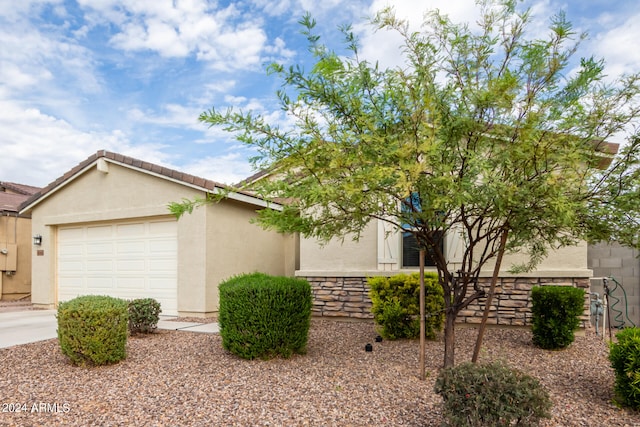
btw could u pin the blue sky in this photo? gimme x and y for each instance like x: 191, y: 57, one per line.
x: 132, y: 76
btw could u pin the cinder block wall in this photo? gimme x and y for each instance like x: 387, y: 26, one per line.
x: 623, y: 264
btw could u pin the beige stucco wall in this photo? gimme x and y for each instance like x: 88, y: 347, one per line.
x: 213, y: 242
x: 341, y: 256
x: 569, y: 261
x: 15, y: 232
x: 351, y: 258
x: 235, y: 246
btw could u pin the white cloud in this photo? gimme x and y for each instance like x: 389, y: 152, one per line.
x: 42, y: 147
x: 617, y: 45
x: 170, y: 115
x: 228, y: 168
x: 226, y: 37
x: 38, y: 58
x: 384, y: 46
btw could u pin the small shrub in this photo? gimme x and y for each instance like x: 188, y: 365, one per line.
x: 491, y: 395
x: 625, y: 361
x: 92, y: 329
x: 264, y: 316
x: 396, y: 305
x: 144, y: 314
x: 556, y: 312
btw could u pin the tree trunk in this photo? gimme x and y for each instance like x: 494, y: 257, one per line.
x: 422, y: 317
x: 492, y: 289
x: 450, y: 338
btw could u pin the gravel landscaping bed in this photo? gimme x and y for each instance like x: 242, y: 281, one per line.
x: 178, y: 378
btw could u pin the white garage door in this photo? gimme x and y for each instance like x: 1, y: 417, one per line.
x: 124, y: 260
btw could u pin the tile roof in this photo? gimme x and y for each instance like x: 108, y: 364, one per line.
x: 187, y: 179
x: 12, y: 195
x: 27, y: 190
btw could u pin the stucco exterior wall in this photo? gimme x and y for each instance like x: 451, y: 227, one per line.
x: 378, y: 253
x: 214, y: 242
x: 340, y: 256
x: 15, y: 237
x: 570, y: 261
x: 235, y: 246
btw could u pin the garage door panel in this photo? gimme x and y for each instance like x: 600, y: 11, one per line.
x: 130, y: 230
x: 99, y: 248
x: 71, y: 249
x: 131, y: 247
x: 131, y: 283
x: 70, y: 234
x: 97, y: 232
x: 124, y: 260
x: 161, y: 283
x: 71, y: 266
x: 158, y: 246
x: 167, y: 228
x: 71, y: 282
x: 162, y: 266
x: 99, y: 282
x: 130, y: 265
x: 95, y: 265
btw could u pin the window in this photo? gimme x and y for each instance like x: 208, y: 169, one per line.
x: 410, y: 248
x: 411, y: 252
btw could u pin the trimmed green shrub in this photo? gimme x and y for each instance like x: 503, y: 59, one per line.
x: 625, y: 361
x: 396, y: 305
x: 491, y: 395
x: 92, y: 329
x: 556, y: 312
x: 264, y: 316
x: 144, y: 314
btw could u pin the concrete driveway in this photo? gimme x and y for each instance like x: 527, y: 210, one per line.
x: 26, y: 326
x: 22, y: 327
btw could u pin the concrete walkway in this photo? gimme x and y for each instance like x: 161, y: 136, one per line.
x: 26, y: 326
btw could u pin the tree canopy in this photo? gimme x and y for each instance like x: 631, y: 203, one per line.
x: 487, y: 133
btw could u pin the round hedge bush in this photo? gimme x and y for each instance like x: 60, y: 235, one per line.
x: 556, y: 312
x: 92, y: 329
x: 264, y: 316
x: 396, y: 305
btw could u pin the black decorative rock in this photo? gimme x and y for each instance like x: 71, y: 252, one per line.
x: 368, y: 347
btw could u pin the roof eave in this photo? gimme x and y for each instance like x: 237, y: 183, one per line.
x: 187, y: 180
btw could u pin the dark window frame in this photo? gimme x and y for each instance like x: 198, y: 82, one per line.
x: 411, y: 251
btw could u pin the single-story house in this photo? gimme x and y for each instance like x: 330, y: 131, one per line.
x: 106, y: 229
x: 15, y: 242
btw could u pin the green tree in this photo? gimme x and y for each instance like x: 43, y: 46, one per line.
x: 484, y: 133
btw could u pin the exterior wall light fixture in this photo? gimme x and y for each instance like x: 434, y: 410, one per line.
x: 37, y: 240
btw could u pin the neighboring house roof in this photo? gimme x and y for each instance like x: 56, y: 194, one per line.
x: 12, y: 187
x: 162, y: 172
x: 12, y: 195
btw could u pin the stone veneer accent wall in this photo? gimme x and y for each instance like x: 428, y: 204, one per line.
x: 348, y: 297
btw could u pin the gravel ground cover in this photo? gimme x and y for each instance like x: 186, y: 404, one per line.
x: 179, y: 378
